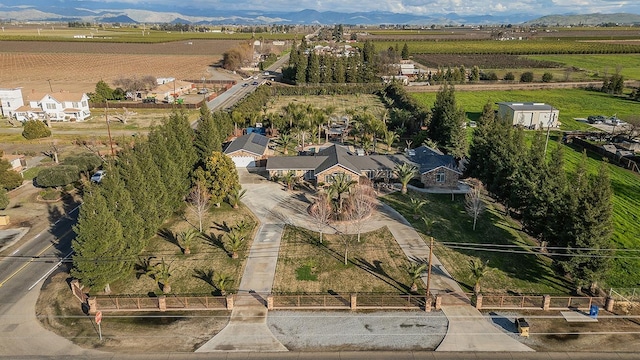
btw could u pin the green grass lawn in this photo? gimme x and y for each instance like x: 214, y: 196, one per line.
x: 629, y: 64
x: 514, y: 273
x: 572, y: 103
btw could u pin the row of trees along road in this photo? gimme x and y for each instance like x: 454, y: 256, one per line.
x: 144, y: 184
x: 572, y: 213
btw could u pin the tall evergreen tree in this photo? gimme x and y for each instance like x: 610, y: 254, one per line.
x: 405, y: 52
x: 326, y: 69
x: 293, y: 55
x: 313, y: 70
x: 220, y: 176
x: 556, y: 198
x: 301, y: 69
x: 208, y: 137
x: 119, y: 202
x: 352, y: 69
x: 101, y: 255
x: 447, y: 122
x: 339, y: 75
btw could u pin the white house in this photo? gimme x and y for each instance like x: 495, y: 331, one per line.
x: 10, y: 100
x: 530, y: 115
x: 60, y: 106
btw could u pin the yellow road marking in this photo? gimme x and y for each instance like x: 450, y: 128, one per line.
x: 30, y: 261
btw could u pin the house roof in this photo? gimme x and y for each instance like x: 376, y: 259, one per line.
x: 428, y: 159
x: 61, y: 96
x: 530, y: 106
x: 253, y: 143
x: 425, y: 158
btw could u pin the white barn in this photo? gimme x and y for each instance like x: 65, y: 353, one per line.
x: 530, y: 115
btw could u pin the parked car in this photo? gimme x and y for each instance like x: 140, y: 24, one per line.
x: 254, y: 83
x: 245, y: 85
x: 97, y: 176
x: 596, y: 119
x: 203, y: 91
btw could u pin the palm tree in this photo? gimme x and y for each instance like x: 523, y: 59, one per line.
x: 341, y: 184
x: 478, y: 270
x: 366, y: 143
x: 285, y: 141
x: 389, y: 138
x: 186, y: 238
x: 428, y: 225
x: 235, y: 241
x: 415, y: 271
x: 235, y: 197
x: 242, y: 227
x: 416, y: 207
x: 222, y: 282
x: 405, y: 172
x: 290, y: 179
x: 161, y: 273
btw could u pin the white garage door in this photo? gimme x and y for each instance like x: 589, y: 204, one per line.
x: 244, y: 161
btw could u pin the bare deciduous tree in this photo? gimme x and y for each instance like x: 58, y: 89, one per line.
x: 199, y: 199
x: 125, y: 115
x: 361, y: 202
x: 321, y: 212
x: 474, y: 200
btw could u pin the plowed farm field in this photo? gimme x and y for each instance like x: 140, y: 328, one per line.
x: 77, y: 67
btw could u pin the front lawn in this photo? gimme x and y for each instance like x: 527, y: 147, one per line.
x: 516, y: 270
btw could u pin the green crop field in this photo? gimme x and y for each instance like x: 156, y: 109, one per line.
x: 514, y: 47
x: 127, y: 35
x: 628, y: 64
x: 572, y: 103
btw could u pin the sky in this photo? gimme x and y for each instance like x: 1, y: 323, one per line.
x: 423, y: 7
x: 418, y: 7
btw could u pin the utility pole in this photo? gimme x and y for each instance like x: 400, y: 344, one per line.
x: 429, y: 270
x: 50, y: 88
x: 548, y: 130
x: 106, y: 117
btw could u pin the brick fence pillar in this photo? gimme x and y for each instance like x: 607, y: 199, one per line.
x: 438, y: 302
x: 229, y: 299
x: 546, y: 302
x: 270, y: 302
x: 354, y: 301
x: 428, y: 303
x: 478, y: 301
x: 93, y: 305
x: 162, y: 303
x: 608, y: 304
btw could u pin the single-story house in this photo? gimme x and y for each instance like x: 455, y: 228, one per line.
x: 435, y: 171
x: 247, y: 149
x: 10, y: 100
x: 59, y: 106
x: 530, y: 115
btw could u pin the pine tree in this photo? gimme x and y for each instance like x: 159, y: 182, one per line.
x: 313, y: 70
x: 207, y: 137
x: 447, y: 121
x: 301, y: 69
x: 100, y: 250
x: 352, y: 70
x: 293, y: 55
x: 120, y: 203
x: 339, y: 75
x: 326, y: 69
x: 405, y: 52
x: 556, y: 198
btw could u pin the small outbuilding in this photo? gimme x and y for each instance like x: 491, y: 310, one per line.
x: 530, y: 115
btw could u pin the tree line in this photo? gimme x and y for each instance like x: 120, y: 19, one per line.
x: 144, y: 185
x: 571, y: 215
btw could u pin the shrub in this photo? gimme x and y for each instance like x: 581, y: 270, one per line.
x: 84, y: 161
x: 50, y: 194
x: 509, y: 76
x: 526, y: 77
x: 35, y: 129
x: 4, y: 199
x: 60, y: 175
x: 547, y: 77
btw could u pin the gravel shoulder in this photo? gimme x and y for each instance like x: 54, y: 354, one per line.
x: 343, y: 331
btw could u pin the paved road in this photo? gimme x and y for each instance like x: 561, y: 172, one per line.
x: 21, y: 276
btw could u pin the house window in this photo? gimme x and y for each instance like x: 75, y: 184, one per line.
x: 328, y: 178
x: 440, y: 176
x: 51, y: 106
x: 84, y: 103
x: 76, y: 105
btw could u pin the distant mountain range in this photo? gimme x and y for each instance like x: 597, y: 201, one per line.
x: 76, y: 10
